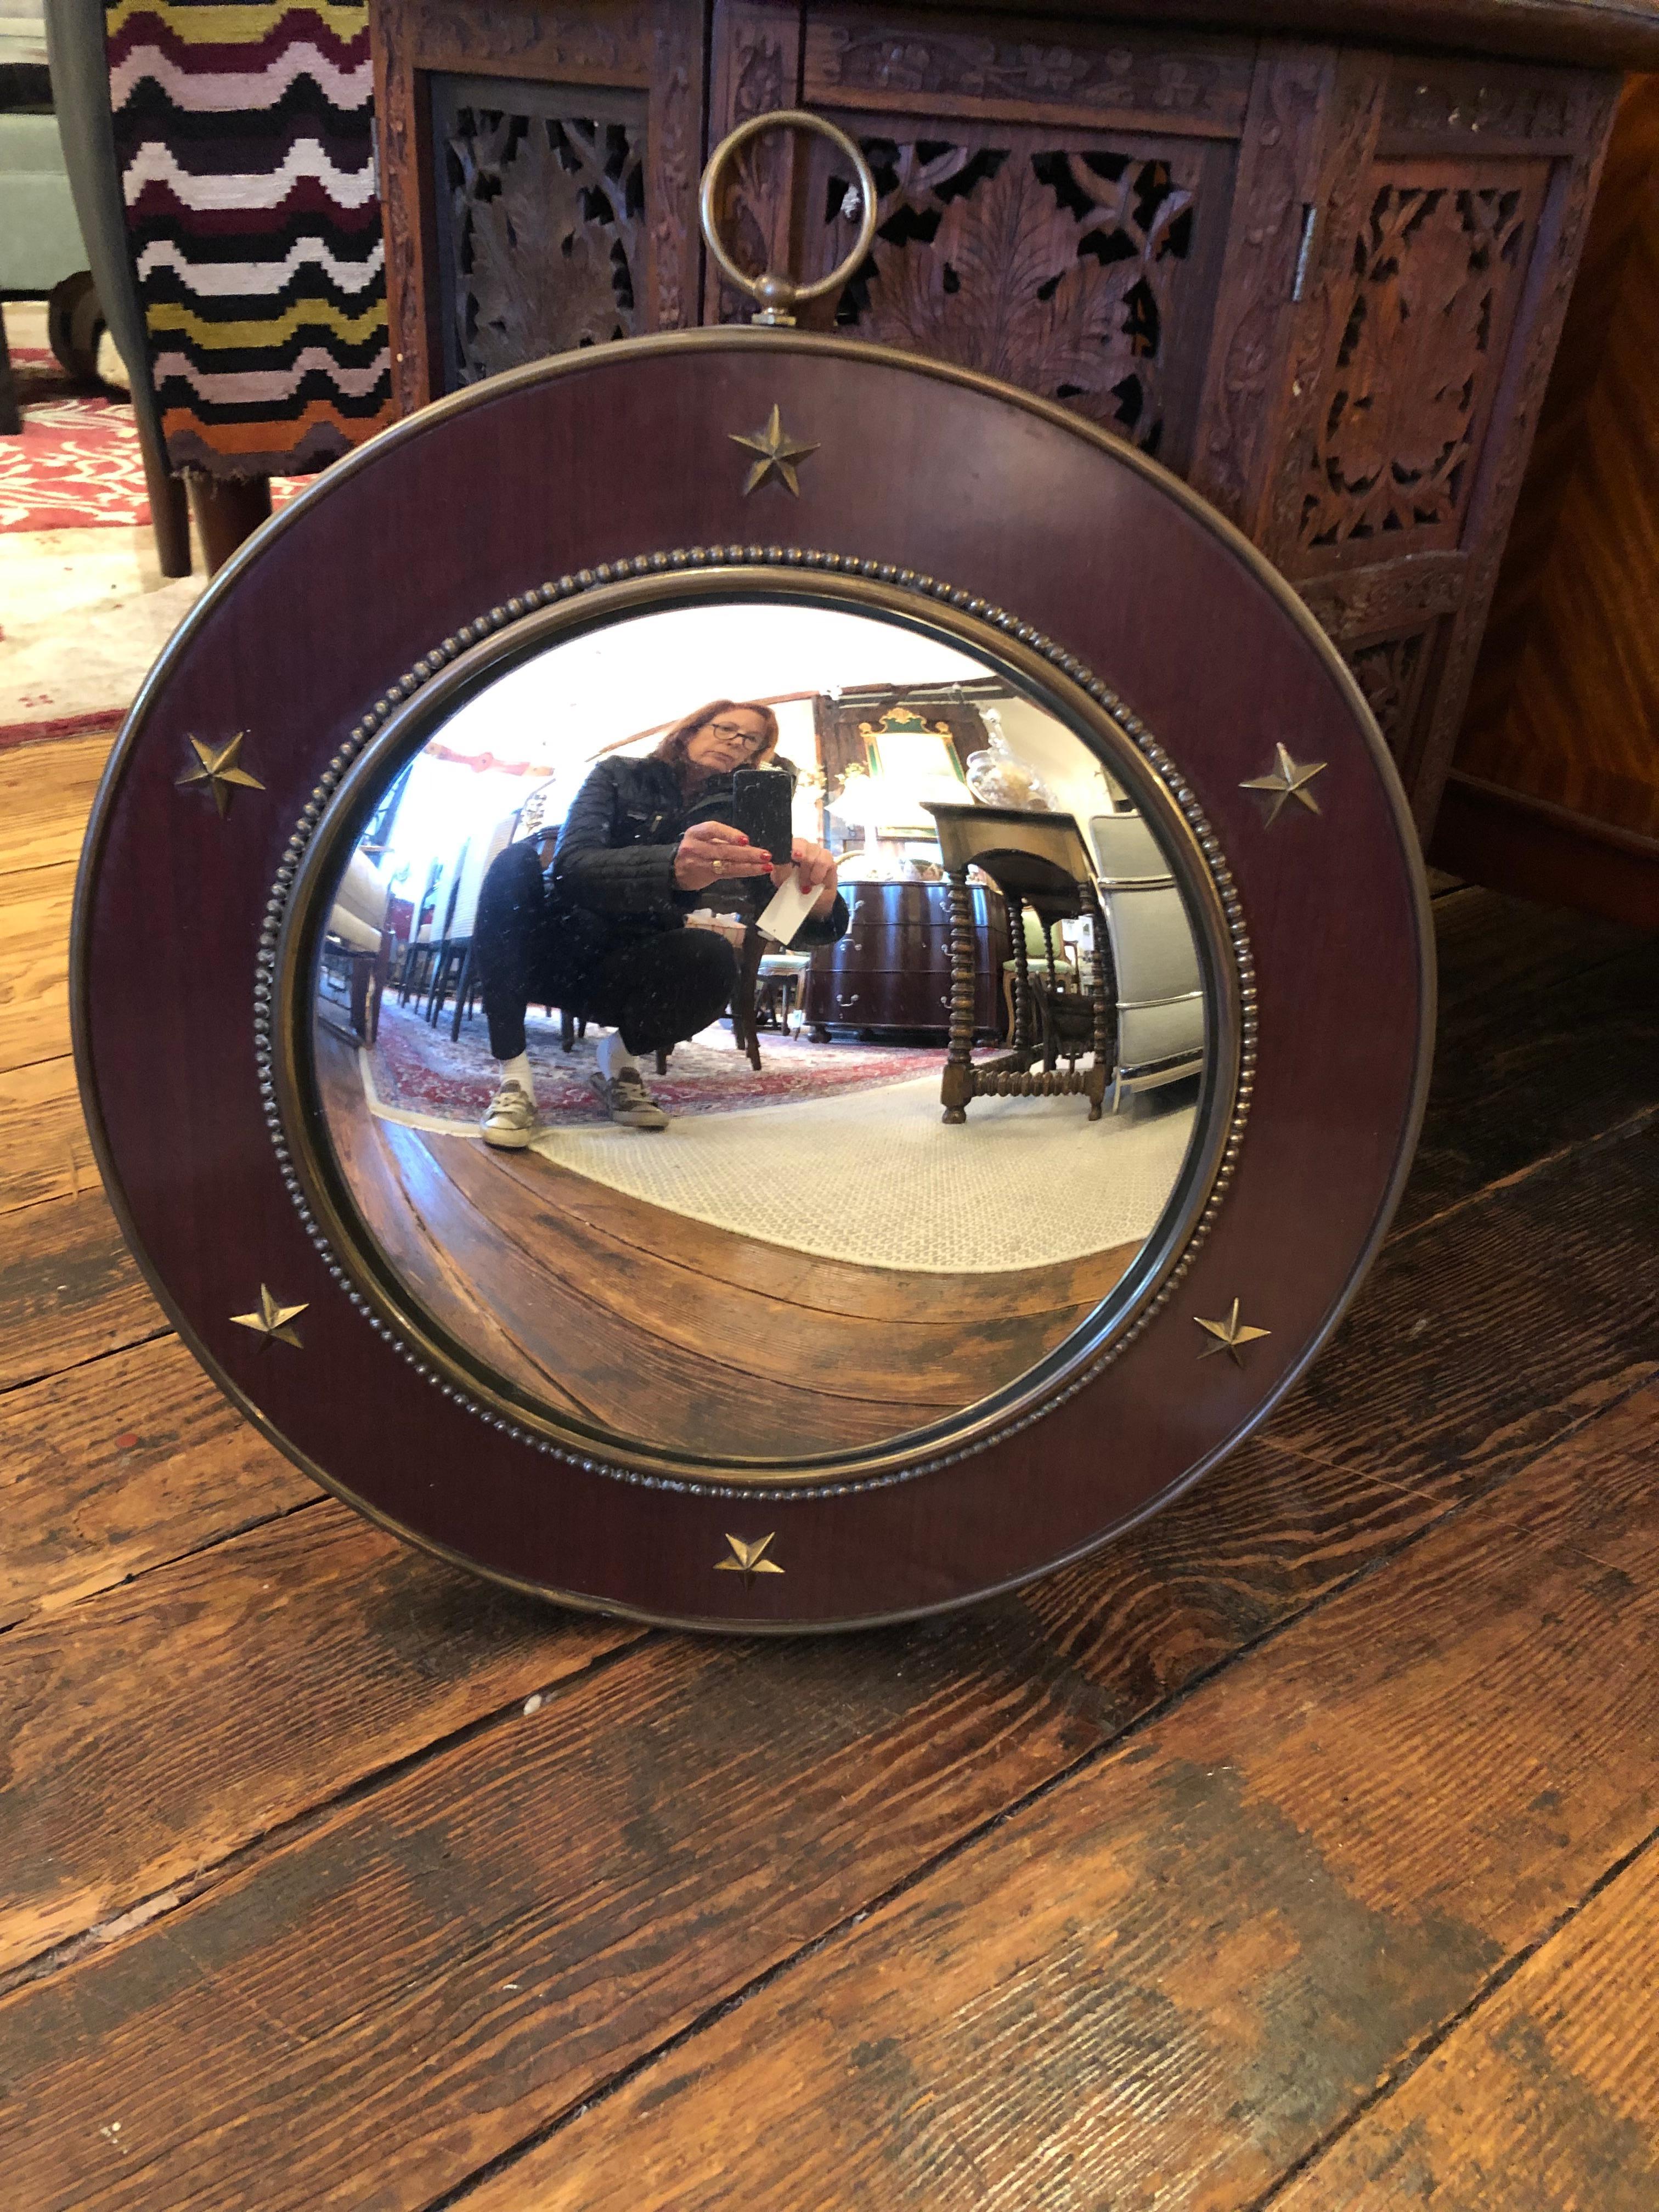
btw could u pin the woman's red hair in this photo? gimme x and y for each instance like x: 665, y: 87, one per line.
x: 672, y: 746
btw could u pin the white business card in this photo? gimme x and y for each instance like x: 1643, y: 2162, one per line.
x: 787, y: 909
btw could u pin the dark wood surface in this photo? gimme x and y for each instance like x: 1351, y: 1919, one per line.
x: 1316, y: 266
x: 1297, y: 1849
x: 1334, y: 921
x: 1614, y: 34
x: 1556, y: 791
x: 11, y: 416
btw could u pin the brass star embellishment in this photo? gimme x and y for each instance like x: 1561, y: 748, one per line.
x: 220, y: 771
x: 778, y: 452
x: 272, y: 1319
x: 1286, y: 780
x: 749, y: 1560
x: 1229, y: 1335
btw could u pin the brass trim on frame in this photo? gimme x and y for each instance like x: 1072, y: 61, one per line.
x: 394, y: 730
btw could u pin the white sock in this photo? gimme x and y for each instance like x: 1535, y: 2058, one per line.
x: 517, y: 1070
x: 613, y: 1056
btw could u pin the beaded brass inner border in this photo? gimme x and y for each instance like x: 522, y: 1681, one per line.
x: 923, y: 589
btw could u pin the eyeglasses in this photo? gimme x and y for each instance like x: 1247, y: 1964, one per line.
x: 734, y: 730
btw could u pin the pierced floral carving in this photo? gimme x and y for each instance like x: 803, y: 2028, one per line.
x: 754, y: 193
x: 1389, y: 674
x: 1419, y: 344
x: 545, y: 214
x: 1054, y: 270
x: 947, y: 58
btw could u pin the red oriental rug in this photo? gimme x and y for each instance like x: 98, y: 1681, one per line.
x: 76, y: 463
x: 417, y: 1069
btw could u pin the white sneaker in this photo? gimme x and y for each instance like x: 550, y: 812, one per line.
x: 512, y: 1121
x: 628, y: 1101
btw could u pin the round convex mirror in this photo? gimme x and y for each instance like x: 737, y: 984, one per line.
x: 760, y: 1029
x: 968, y: 1217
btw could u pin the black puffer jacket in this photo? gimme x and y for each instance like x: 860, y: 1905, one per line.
x: 616, y: 853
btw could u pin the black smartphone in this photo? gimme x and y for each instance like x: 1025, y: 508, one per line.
x: 762, y: 804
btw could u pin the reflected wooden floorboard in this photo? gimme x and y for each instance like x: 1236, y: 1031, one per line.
x: 674, y: 1332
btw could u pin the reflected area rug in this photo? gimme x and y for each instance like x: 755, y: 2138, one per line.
x: 840, y: 1151
x: 417, y: 1069
x: 881, y: 1180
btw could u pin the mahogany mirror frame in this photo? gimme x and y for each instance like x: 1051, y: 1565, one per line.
x: 414, y: 571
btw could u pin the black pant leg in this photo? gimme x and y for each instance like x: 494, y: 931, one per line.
x: 660, y: 990
x: 510, y: 947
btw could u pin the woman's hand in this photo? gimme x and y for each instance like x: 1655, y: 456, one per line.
x: 814, y: 869
x: 715, y: 853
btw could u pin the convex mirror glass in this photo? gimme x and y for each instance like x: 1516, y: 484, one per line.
x: 683, y: 1164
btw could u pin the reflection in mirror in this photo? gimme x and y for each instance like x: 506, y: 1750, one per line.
x: 757, y: 1031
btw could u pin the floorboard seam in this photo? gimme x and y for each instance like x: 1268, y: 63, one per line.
x: 45, y: 1059
x: 1401, y: 2069
x: 145, y: 1910
x: 1096, y: 1755
x: 38, y: 1612
x: 75, y: 1366
x: 1632, y: 1126
x: 10, y: 869
x: 1586, y: 1419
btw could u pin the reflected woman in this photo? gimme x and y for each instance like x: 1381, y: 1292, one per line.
x: 603, y: 934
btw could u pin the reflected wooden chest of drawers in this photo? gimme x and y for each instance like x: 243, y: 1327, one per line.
x: 892, y: 971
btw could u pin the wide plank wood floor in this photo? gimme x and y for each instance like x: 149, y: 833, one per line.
x: 1300, y: 1851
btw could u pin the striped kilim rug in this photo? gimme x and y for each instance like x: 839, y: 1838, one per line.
x: 243, y: 135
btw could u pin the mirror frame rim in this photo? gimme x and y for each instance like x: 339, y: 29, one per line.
x: 919, y: 1593
x: 460, y: 669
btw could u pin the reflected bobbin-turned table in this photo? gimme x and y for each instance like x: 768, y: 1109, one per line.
x: 1039, y: 860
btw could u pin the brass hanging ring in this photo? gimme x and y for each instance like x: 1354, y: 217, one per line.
x: 777, y: 292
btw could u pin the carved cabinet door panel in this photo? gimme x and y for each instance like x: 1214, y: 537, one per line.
x: 1439, y: 244
x: 1079, y: 264
x: 539, y: 172
x: 541, y: 238
x: 1054, y: 215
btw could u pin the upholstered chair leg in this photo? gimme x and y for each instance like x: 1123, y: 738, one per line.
x: 169, y: 507
x: 228, y: 510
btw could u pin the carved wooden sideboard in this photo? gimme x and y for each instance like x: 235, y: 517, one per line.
x: 1322, y: 281
x: 1554, y: 790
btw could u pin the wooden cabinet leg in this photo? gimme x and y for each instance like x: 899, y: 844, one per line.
x: 228, y: 510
